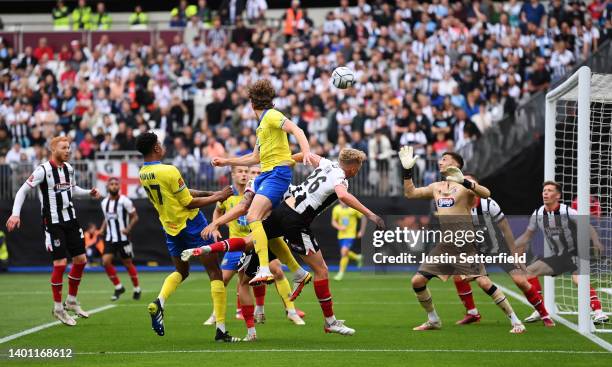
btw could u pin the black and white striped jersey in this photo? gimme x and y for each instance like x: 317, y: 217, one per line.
x: 318, y: 191
x: 117, y: 215
x: 54, y: 191
x: 486, y: 216
x: 559, y: 228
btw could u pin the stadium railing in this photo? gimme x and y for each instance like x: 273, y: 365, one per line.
x: 378, y: 180
x: 498, y: 145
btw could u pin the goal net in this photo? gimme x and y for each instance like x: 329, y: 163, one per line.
x: 578, y: 155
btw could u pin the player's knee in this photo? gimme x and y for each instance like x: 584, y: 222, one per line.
x: 106, y: 262
x: 275, y: 269
x: 418, y: 281
x: 321, y: 271
x: 484, y: 283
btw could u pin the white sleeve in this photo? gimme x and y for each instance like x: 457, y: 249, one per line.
x: 572, y: 214
x: 495, y: 211
x: 20, y: 198
x: 128, y: 205
x: 533, y: 225
x: 338, y: 178
x: 80, y: 192
x: 324, y: 162
x: 36, y: 177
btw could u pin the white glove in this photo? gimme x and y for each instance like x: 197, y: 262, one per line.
x: 454, y: 174
x: 407, y: 157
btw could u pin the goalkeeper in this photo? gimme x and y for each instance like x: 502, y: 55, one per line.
x: 453, y: 199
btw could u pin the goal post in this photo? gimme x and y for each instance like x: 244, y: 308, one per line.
x: 578, y: 155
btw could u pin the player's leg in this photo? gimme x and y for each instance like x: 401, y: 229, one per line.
x: 111, y: 272
x: 76, y: 249
x: 301, y: 277
x: 344, y: 259
x: 126, y: 252
x: 534, y: 281
x: 260, y: 206
x: 423, y: 295
x: 55, y: 243
x: 321, y: 287
x: 284, y: 291
x: 502, y: 302
x: 533, y: 296
x: 598, y: 315
x: 259, y: 292
x: 248, y: 309
x: 464, y: 290
x: 219, y: 296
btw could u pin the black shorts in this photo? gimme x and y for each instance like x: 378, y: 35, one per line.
x: 64, y: 240
x: 286, y: 222
x: 249, y: 262
x: 560, y: 264
x: 123, y: 249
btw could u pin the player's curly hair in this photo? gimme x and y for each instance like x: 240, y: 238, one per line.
x: 351, y: 156
x: 261, y: 94
x: 145, y: 143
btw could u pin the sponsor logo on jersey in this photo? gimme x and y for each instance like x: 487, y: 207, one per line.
x: 61, y: 187
x: 56, y: 243
x: 446, y: 202
x: 112, y: 216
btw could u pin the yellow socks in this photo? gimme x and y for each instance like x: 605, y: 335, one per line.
x: 170, y: 285
x: 261, y: 242
x: 279, y: 247
x: 343, y: 264
x: 219, y: 298
x: 284, y: 289
x: 353, y: 256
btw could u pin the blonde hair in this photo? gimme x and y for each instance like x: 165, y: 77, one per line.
x: 57, y: 140
x: 351, y: 156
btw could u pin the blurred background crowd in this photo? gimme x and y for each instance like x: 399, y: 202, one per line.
x: 432, y: 74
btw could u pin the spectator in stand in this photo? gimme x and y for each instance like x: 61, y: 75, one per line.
x: 43, y: 49
x: 230, y: 10
x: 101, y: 19
x: 138, y: 19
x: 81, y: 16
x: 380, y: 153
x: 217, y: 36
x: 183, y: 12
x: 533, y: 12
x: 539, y: 78
x: 561, y: 60
x: 241, y: 35
x: 204, y: 13
x: 255, y: 10
x: 61, y: 17
x: 293, y: 20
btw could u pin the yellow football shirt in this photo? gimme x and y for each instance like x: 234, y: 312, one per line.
x: 272, y: 141
x: 168, y: 194
x: 347, y: 217
x: 238, y: 227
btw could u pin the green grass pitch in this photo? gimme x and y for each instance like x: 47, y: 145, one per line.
x: 382, y: 308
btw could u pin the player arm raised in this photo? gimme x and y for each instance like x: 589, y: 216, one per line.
x: 291, y: 128
x: 408, y: 159
x: 315, y: 159
x: 350, y: 200
x: 239, y: 210
x: 245, y: 160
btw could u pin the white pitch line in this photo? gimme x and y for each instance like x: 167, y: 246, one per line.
x: 361, y: 350
x: 594, y: 338
x: 48, y: 325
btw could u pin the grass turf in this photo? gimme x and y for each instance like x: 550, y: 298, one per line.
x: 382, y: 308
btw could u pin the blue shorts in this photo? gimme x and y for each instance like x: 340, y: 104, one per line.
x: 231, y: 260
x: 273, y: 184
x: 189, y: 237
x: 346, y: 242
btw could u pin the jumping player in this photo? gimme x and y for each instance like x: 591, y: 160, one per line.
x: 487, y: 214
x: 63, y: 234
x: 557, y: 222
x: 292, y: 219
x: 345, y: 220
x: 119, y: 218
x: 179, y: 214
x: 453, y: 198
x: 241, y: 179
x: 273, y: 152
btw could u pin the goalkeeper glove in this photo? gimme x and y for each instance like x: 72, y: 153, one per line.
x: 454, y: 174
x: 408, y: 160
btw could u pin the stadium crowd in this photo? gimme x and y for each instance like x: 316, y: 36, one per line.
x: 432, y: 74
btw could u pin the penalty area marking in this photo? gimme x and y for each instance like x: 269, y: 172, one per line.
x: 594, y: 338
x: 48, y: 325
